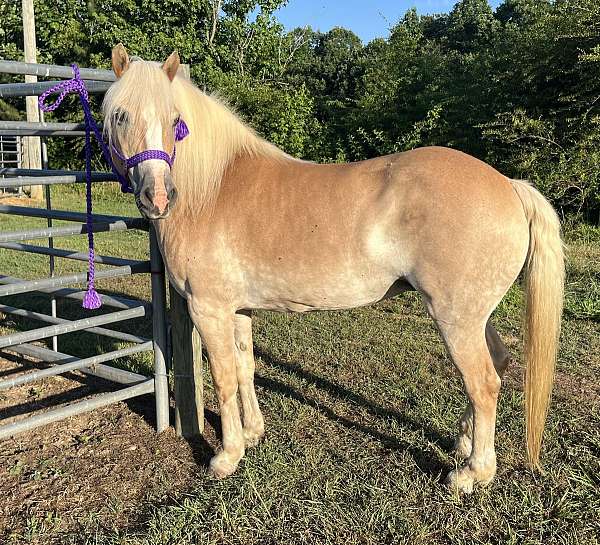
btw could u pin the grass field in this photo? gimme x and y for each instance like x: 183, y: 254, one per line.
x: 361, y: 409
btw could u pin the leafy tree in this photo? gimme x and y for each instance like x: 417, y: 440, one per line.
x: 518, y: 87
x: 470, y: 26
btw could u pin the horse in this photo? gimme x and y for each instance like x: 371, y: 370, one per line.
x: 244, y: 226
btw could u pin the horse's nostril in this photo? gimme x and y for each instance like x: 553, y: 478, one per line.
x: 147, y: 194
x: 172, y: 195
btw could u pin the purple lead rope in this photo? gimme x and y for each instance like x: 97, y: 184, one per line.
x: 91, y: 300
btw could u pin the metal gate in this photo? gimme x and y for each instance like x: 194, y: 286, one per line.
x: 22, y: 343
x: 10, y: 155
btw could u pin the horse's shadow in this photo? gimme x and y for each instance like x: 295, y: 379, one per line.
x: 428, y: 461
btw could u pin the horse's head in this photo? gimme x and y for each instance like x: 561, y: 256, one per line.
x: 140, y: 121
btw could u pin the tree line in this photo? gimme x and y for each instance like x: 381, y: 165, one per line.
x: 518, y: 87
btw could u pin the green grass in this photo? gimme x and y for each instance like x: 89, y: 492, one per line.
x: 361, y: 409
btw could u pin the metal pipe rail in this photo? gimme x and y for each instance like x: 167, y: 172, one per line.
x: 9, y: 90
x: 76, y: 278
x: 15, y: 236
x: 30, y: 128
x: 31, y: 422
x: 9, y: 183
x: 65, y: 215
x: 71, y: 326
x: 97, y: 81
x: 127, y: 337
x: 53, y: 71
x: 69, y: 254
x: 78, y: 295
x: 159, y: 332
x: 43, y: 173
x: 74, y: 365
x: 45, y: 355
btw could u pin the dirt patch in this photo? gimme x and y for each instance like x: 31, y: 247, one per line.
x: 18, y: 201
x: 100, y: 469
x: 566, y: 386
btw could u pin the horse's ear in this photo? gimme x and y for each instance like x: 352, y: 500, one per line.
x: 171, y: 65
x: 120, y: 60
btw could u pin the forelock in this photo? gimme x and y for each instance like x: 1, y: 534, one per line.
x: 142, y: 82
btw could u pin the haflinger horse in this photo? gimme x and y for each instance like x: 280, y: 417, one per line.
x: 244, y: 226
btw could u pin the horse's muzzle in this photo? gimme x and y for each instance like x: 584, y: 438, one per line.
x: 156, y: 198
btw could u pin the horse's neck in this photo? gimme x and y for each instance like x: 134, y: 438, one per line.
x: 218, y: 138
x: 196, y: 219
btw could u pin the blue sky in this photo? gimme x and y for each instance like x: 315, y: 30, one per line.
x: 367, y: 18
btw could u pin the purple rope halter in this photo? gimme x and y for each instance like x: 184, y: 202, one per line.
x: 76, y: 85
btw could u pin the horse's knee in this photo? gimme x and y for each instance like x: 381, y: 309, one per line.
x: 226, y: 388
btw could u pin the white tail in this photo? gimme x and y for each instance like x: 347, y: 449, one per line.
x: 544, y: 286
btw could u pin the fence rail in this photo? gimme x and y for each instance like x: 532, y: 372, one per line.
x: 9, y: 90
x: 28, y: 128
x: 53, y: 71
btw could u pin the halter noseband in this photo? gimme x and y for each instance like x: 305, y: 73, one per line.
x: 181, y: 131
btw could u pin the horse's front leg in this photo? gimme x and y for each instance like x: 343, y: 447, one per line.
x: 254, y: 424
x: 216, y: 327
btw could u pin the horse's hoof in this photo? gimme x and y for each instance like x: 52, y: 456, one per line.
x: 460, y: 480
x: 253, y: 437
x: 220, y: 466
x: 463, y: 446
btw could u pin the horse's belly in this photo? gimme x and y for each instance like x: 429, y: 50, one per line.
x: 324, y: 293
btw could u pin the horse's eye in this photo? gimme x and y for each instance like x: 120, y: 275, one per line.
x: 121, y: 118
x: 176, y: 120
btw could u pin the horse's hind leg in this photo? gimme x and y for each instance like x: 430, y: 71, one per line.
x: 254, y: 425
x: 466, y: 342
x: 501, y: 359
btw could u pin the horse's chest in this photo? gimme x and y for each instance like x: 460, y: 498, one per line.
x: 176, y: 257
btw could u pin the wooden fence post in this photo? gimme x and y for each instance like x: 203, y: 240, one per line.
x: 187, y: 360
x: 187, y: 369
x: 32, y: 154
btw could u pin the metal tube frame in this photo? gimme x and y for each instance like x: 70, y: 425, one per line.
x: 71, y: 293
x: 119, y: 225
x: 42, y: 174
x: 159, y: 333
x: 69, y: 254
x: 73, y: 409
x: 69, y: 326
x: 35, y: 285
x: 65, y: 215
x: 114, y: 374
x: 98, y: 81
x: 8, y: 90
x: 73, y: 365
x: 52, y: 319
x: 53, y: 71
x: 29, y: 128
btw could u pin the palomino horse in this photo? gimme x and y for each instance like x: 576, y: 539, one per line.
x: 254, y: 228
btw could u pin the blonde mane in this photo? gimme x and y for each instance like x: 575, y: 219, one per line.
x: 217, y: 135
